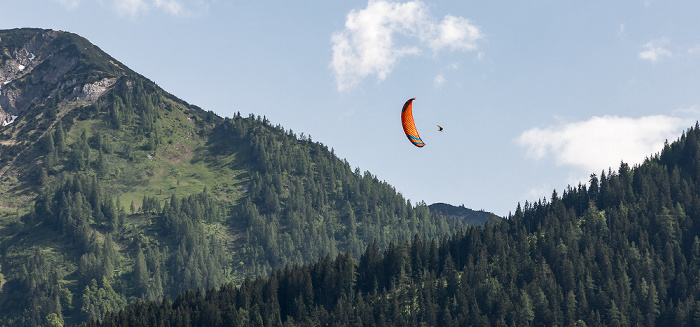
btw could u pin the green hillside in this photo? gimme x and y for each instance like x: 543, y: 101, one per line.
x: 114, y: 191
x: 622, y: 250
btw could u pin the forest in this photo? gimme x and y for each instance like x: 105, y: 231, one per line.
x: 140, y: 196
x: 622, y: 250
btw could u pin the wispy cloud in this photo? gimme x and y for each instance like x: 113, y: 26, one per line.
x: 439, y: 80
x: 602, y: 142
x: 694, y: 50
x: 368, y: 45
x: 455, y: 33
x: 172, y: 7
x: 130, y: 7
x: 69, y: 4
x: 654, y: 50
x: 538, y: 192
x: 621, y: 31
x: 135, y: 8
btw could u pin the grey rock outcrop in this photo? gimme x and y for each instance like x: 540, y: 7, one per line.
x: 43, y: 68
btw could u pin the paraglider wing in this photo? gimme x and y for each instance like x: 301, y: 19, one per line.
x: 409, y: 127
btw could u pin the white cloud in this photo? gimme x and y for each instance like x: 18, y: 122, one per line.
x: 621, y: 31
x: 172, y: 7
x: 694, y: 50
x: 455, y: 33
x: 654, y: 50
x: 368, y: 45
x: 133, y: 8
x: 130, y: 7
x: 536, y: 193
x: 69, y: 4
x: 439, y: 80
x: 603, y: 142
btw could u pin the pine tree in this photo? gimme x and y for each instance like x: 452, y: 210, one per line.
x: 141, y: 272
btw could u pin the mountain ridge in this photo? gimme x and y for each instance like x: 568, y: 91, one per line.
x: 470, y: 216
x: 119, y: 191
x: 57, y: 57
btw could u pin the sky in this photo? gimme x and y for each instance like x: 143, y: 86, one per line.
x: 533, y: 95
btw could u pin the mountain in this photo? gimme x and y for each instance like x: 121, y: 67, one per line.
x: 471, y: 217
x: 622, y: 250
x: 113, y: 191
x: 44, y: 75
x: 42, y: 66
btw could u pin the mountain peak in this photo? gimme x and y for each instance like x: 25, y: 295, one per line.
x: 106, y: 170
x: 39, y: 66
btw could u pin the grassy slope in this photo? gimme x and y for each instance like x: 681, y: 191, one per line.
x: 185, y: 163
x: 182, y: 166
x: 191, y: 155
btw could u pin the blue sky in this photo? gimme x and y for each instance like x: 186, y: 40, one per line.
x: 533, y: 95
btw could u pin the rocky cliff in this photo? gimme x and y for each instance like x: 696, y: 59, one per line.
x: 38, y: 67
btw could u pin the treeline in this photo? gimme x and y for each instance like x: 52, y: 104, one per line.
x: 623, y: 250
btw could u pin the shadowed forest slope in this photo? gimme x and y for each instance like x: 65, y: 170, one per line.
x: 622, y: 250
x: 114, y: 191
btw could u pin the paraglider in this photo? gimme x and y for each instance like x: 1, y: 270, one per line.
x: 409, y: 127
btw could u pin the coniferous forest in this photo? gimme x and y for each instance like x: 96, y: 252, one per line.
x: 301, y: 203
x: 622, y: 250
x: 136, y: 195
x: 131, y: 207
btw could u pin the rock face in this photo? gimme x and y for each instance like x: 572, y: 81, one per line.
x: 39, y: 67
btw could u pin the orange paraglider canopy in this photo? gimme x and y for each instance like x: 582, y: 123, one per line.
x: 409, y: 127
